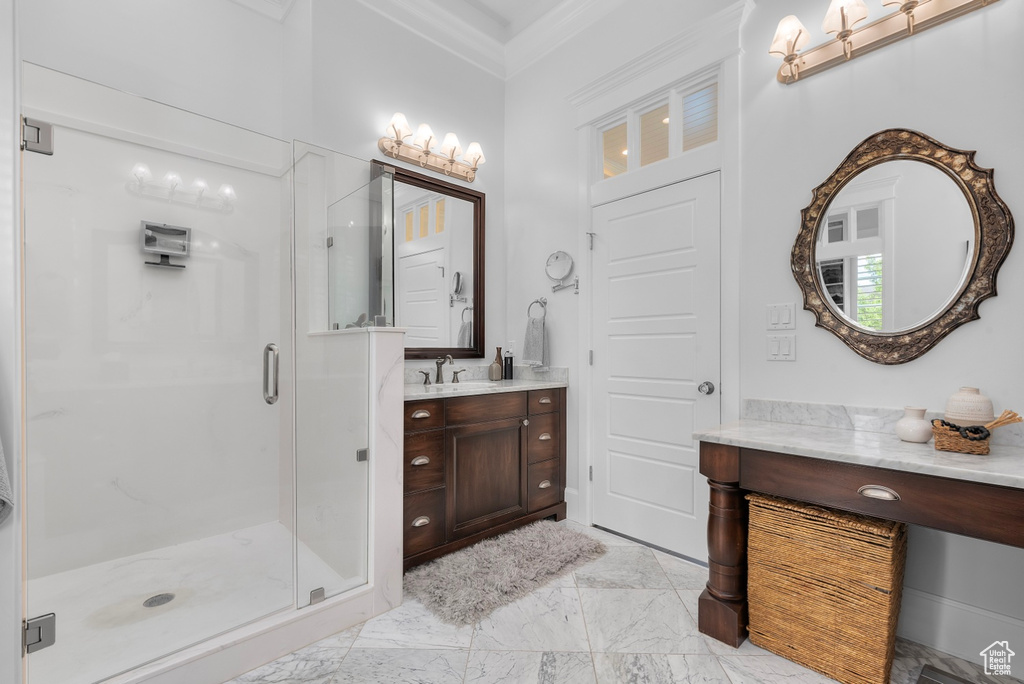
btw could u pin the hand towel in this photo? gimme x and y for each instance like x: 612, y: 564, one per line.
x: 6, y: 498
x: 535, y: 352
x: 465, y: 335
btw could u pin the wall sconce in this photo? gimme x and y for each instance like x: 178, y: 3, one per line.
x: 420, y: 151
x: 912, y: 16
x: 172, y: 189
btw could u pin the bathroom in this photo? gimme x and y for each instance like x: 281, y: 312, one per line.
x: 333, y: 73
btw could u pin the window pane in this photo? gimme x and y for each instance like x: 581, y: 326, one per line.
x: 654, y: 135
x: 615, y: 151
x: 869, y: 291
x: 408, y: 226
x: 700, y: 117
x: 439, y: 216
x: 424, y: 221
x: 867, y: 223
x: 836, y: 229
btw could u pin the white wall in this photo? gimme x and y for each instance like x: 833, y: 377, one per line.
x: 793, y: 137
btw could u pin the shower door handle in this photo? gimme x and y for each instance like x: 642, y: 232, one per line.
x: 271, y: 366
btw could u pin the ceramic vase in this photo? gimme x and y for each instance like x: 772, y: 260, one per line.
x: 913, y: 427
x: 969, y: 407
x: 494, y: 371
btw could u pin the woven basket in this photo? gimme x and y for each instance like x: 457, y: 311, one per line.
x: 824, y: 587
x: 948, y: 439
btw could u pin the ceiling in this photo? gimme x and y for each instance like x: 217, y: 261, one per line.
x: 500, y: 19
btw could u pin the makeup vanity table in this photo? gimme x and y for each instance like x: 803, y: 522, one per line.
x: 871, y: 473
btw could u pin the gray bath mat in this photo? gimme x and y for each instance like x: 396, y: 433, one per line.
x: 466, y: 586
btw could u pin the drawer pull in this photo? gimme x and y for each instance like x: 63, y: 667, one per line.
x: 544, y: 484
x: 421, y: 521
x: 526, y: 421
x: 545, y: 437
x: 878, y: 492
x: 420, y: 414
x: 544, y: 400
x: 421, y: 460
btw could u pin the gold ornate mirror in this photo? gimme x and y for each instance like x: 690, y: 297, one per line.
x: 900, y: 245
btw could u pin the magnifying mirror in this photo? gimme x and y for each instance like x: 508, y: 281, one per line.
x: 559, y: 266
x: 457, y: 283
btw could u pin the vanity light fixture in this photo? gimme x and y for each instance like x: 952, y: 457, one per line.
x: 172, y: 189
x: 420, y: 152
x: 910, y: 17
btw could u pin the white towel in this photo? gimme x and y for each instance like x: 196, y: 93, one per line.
x: 6, y: 498
x: 465, y: 335
x: 535, y: 344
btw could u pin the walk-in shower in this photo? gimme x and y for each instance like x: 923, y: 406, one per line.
x: 193, y: 463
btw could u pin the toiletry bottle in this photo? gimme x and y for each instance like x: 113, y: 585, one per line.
x: 494, y: 371
x: 509, y: 361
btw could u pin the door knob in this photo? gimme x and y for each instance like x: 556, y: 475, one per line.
x: 706, y: 387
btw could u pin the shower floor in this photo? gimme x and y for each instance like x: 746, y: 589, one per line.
x: 218, y: 584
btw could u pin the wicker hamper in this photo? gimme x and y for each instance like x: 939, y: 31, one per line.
x: 824, y: 587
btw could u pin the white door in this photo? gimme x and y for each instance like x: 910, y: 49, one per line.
x: 656, y: 335
x: 422, y: 308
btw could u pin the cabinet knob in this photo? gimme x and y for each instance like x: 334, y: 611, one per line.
x: 421, y: 521
x: 420, y: 460
x: 544, y: 484
x: 878, y: 492
x: 544, y: 400
x: 420, y: 414
x: 545, y: 437
x: 526, y: 421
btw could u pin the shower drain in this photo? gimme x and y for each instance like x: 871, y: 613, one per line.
x: 158, y: 600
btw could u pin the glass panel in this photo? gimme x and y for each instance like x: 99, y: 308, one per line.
x: 836, y: 229
x: 614, y: 145
x: 439, y: 218
x: 867, y: 223
x: 700, y: 117
x: 654, y: 135
x: 333, y: 192
x: 159, y: 480
x: 408, y: 226
x: 869, y: 291
x: 424, y: 221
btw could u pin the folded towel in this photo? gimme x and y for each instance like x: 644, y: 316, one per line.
x: 6, y: 498
x: 465, y: 335
x: 535, y: 351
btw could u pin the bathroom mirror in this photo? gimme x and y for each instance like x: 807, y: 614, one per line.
x: 559, y: 266
x: 437, y: 272
x: 900, y: 245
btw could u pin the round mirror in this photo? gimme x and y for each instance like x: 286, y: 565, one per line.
x: 559, y: 266
x: 895, y: 246
x: 900, y: 245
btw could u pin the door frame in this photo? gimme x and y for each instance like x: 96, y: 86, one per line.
x: 722, y: 156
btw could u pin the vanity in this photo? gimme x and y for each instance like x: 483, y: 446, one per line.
x: 480, y: 459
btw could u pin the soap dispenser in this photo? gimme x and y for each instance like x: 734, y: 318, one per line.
x: 509, y: 362
x: 494, y: 371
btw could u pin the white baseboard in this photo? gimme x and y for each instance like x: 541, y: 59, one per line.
x: 956, y: 628
x: 572, y: 505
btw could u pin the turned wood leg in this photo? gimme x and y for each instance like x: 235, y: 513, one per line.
x: 722, y: 608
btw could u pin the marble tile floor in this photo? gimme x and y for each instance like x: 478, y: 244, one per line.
x: 218, y: 583
x: 628, y: 617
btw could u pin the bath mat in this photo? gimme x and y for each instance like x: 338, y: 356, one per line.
x: 466, y: 586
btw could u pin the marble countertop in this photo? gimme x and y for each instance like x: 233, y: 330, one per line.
x: 472, y: 387
x: 1003, y: 466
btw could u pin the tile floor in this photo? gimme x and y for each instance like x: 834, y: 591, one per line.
x: 628, y: 617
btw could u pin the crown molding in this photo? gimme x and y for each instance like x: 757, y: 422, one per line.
x: 444, y: 29
x: 275, y: 9
x: 699, y: 46
x: 566, y: 20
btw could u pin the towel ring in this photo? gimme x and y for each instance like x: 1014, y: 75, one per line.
x: 464, y: 310
x: 543, y: 305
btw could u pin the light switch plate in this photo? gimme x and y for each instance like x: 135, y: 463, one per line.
x: 781, y: 316
x: 782, y: 347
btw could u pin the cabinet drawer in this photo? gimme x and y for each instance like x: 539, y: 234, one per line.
x: 545, y: 401
x: 424, y: 521
x: 543, y: 486
x: 544, y: 437
x: 480, y: 408
x: 423, y: 415
x: 424, y: 460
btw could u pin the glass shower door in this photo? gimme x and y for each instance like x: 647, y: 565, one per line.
x: 159, y: 465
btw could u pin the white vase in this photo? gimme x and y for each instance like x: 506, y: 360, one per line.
x: 912, y: 427
x: 969, y: 407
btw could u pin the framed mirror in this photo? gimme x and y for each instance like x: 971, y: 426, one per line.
x: 900, y: 245
x: 436, y: 282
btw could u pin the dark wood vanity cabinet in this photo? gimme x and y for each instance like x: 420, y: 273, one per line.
x: 480, y: 465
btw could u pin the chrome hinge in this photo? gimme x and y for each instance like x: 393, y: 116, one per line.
x: 36, y: 136
x: 317, y: 595
x: 39, y: 633
x: 591, y: 357
x: 362, y: 455
x: 591, y: 473
x: 591, y: 236
x: 330, y: 242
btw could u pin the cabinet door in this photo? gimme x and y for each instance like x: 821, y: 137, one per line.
x: 486, y: 474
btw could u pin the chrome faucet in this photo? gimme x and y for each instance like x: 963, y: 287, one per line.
x: 439, y: 380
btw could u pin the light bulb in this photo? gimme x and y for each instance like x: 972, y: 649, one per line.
x: 450, y: 147
x: 199, y: 186
x: 474, y: 155
x: 227, y: 193
x: 141, y: 172
x: 172, y: 180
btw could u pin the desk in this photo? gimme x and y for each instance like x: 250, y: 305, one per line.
x: 976, y: 496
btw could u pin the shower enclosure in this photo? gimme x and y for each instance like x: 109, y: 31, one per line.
x: 196, y: 434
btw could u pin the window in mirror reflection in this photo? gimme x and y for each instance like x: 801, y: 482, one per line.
x: 654, y: 135
x: 615, y: 152
x: 439, y: 219
x: 852, y: 264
